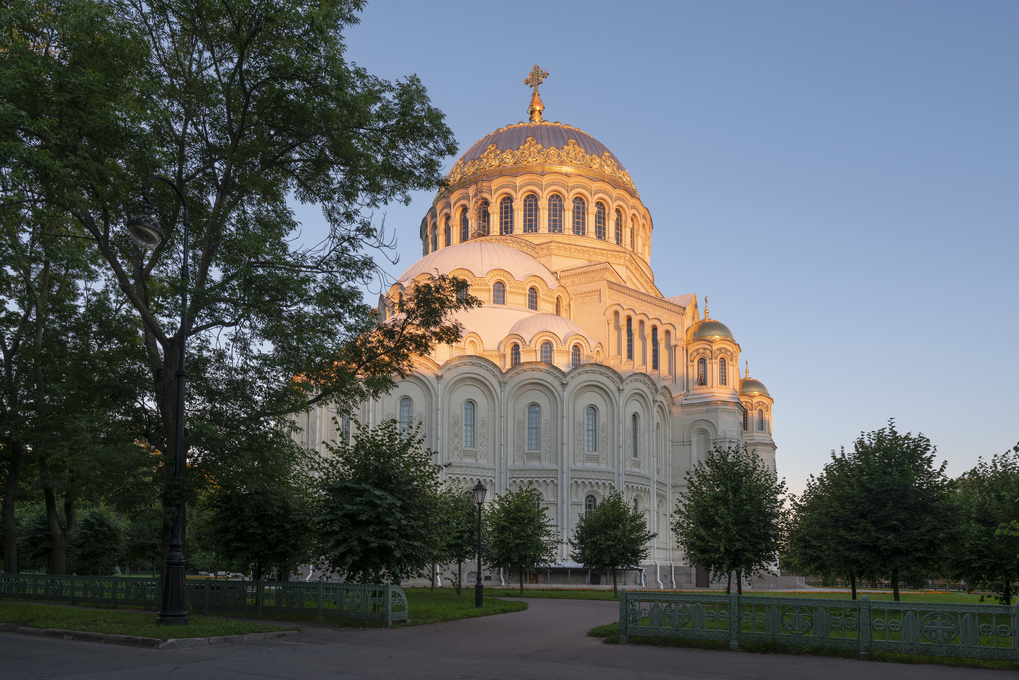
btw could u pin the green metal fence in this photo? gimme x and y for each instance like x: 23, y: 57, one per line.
x: 321, y: 599
x: 863, y: 626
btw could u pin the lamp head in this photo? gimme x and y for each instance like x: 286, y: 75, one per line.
x: 145, y: 231
x: 479, y: 493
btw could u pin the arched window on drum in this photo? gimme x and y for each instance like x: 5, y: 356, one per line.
x: 634, y: 435
x: 722, y: 371
x: 447, y: 234
x: 619, y: 227
x: 654, y: 348
x: 530, y: 214
x: 546, y: 352
x: 514, y: 354
x: 533, y: 427
x: 469, y: 431
x: 465, y: 226
x: 591, y: 430
x: 590, y: 503
x: 760, y: 419
x: 600, y: 220
x: 532, y: 299
x: 406, y: 415
x: 484, y: 218
x: 575, y: 356
x: 702, y: 371
x: 499, y: 293
x: 555, y: 214
x: 579, y: 216
x: 506, y: 216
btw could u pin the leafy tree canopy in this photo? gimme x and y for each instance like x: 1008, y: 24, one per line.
x: 731, y: 516
x: 521, y: 536
x: 613, y: 536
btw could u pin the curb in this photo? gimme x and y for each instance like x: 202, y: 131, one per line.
x: 145, y: 642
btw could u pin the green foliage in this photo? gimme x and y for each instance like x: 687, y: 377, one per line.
x: 983, y: 549
x: 34, y: 543
x: 904, y: 508
x: 613, y: 536
x: 379, y: 516
x: 731, y: 516
x: 460, y: 543
x: 520, y: 535
x: 98, y: 542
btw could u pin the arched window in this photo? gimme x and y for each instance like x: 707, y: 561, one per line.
x: 399, y: 302
x: 591, y: 431
x: 447, y: 234
x: 406, y: 414
x: 555, y: 214
x: 532, y: 299
x: 514, y: 354
x: 634, y: 434
x: 546, y: 352
x: 530, y: 214
x: 590, y: 503
x: 484, y: 218
x: 345, y: 429
x: 533, y: 427
x: 654, y: 348
x: 633, y: 233
x: 461, y: 294
x: 435, y: 240
x: 629, y: 338
x: 745, y: 426
x: 600, y: 220
x: 579, y: 216
x: 702, y: 371
x: 619, y: 227
x: 499, y: 293
x: 721, y: 371
x: 558, y: 306
x: 469, y: 409
x: 506, y: 215
x: 575, y: 356
x: 760, y: 419
x: 465, y: 227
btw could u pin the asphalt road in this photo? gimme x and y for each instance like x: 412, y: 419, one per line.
x: 545, y: 642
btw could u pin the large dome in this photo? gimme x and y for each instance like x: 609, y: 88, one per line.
x: 479, y: 258
x: 540, y: 147
x: 562, y: 327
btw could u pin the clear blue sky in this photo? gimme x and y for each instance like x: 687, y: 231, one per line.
x: 840, y: 178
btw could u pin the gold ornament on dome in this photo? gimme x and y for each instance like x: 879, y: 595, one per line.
x: 533, y: 153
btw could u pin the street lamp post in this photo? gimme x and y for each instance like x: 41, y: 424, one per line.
x: 146, y: 233
x: 479, y: 587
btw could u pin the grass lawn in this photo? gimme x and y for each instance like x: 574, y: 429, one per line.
x: 610, y: 635
x: 443, y: 605
x: 119, y: 622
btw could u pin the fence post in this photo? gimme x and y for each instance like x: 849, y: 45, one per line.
x: 863, y: 619
x: 320, y: 613
x: 387, y: 607
x: 624, y: 617
x: 1015, y: 633
x: 259, y: 595
x: 158, y: 593
x: 734, y: 620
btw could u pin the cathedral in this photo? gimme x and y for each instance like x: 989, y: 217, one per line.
x: 576, y: 376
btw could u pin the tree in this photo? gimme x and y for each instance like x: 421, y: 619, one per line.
x: 822, y: 536
x: 731, y: 516
x: 905, y: 510
x: 242, y: 103
x: 979, y: 551
x: 521, y: 536
x: 461, y: 521
x: 99, y: 541
x: 379, y: 516
x: 612, y: 536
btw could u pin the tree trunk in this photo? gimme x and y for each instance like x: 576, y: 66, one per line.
x: 615, y: 589
x: 728, y: 585
x: 852, y: 581
x: 459, y: 576
x: 895, y: 584
x: 521, y: 581
x: 17, y: 456
x: 433, y: 576
x: 1007, y: 594
x: 739, y: 583
x: 59, y: 539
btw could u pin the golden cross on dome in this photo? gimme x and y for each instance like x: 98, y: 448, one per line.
x: 536, y: 78
x: 747, y: 364
x: 533, y: 81
x: 705, y: 307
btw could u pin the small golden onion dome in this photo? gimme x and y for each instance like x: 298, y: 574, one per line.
x: 709, y: 329
x: 749, y: 386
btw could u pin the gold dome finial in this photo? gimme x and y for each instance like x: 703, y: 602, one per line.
x: 747, y: 364
x: 533, y: 81
x: 705, y: 307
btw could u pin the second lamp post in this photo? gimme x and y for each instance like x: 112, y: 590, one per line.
x: 479, y: 587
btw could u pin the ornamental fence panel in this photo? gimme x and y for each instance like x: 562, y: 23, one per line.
x: 383, y: 603
x: 863, y: 626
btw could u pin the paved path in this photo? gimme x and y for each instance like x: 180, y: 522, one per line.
x: 545, y: 642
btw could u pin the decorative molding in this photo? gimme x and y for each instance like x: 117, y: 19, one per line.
x: 483, y: 439
x: 603, y: 454
x: 578, y: 456
x: 519, y: 458
x: 546, y: 442
x: 455, y: 434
